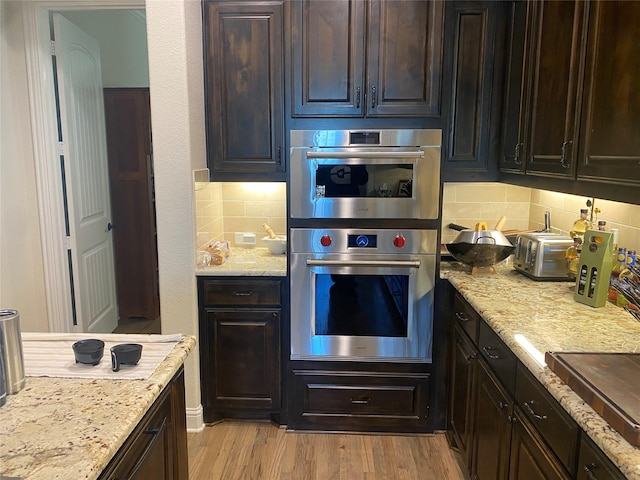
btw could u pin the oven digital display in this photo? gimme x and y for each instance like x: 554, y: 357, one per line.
x: 362, y: 241
x: 364, y: 138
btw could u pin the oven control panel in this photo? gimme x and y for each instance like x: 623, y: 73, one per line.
x: 363, y: 241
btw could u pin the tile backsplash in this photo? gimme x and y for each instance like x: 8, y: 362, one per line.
x: 468, y: 203
x: 222, y: 209
x: 225, y: 208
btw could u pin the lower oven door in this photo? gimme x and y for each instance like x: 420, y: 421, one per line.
x: 365, y: 308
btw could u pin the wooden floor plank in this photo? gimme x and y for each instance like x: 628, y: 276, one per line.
x: 245, y: 450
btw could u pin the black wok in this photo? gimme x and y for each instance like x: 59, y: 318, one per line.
x: 480, y: 247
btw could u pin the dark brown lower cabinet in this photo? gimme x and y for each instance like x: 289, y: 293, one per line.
x: 504, y: 423
x: 359, y: 400
x: 462, y: 396
x: 492, y: 427
x: 240, y: 355
x: 157, y: 448
x: 530, y: 458
x: 593, y: 464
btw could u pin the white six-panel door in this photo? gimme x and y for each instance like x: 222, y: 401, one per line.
x: 86, y: 173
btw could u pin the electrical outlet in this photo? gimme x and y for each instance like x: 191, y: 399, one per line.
x: 245, y: 238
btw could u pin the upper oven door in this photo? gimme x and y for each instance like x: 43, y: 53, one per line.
x: 365, y: 182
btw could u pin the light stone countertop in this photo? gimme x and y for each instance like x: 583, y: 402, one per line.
x: 62, y: 428
x: 251, y: 262
x: 547, y: 316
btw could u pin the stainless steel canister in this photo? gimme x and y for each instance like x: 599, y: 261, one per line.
x: 13, y: 358
x: 3, y: 377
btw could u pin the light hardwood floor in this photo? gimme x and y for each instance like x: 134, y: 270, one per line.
x: 239, y: 450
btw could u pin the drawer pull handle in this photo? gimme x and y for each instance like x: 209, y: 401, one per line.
x: 471, y: 357
x: 488, y: 351
x: 532, y: 411
x: 360, y: 401
x: 243, y: 294
x: 462, y: 317
x: 587, y: 468
x: 501, y: 405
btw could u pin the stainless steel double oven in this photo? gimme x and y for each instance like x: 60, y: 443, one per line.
x: 362, y: 255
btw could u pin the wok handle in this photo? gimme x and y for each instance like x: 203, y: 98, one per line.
x: 455, y: 226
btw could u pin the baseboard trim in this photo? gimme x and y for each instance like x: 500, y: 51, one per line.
x: 195, y: 422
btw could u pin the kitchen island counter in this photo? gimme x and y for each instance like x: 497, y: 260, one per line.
x: 63, y: 428
x: 536, y: 317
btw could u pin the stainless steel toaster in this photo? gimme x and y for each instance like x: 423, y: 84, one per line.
x: 542, y: 256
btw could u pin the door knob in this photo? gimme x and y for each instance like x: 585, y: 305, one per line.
x: 109, y: 227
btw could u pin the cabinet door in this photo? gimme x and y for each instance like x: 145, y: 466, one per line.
x: 492, y: 428
x: 462, y: 399
x: 244, y: 87
x: 243, y: 360
x: 556, y: 47
x: 328, y: 57
x: 514, y: 121
x: 530, y: 459
x: 610, y: 147
x: 404, y: 58
x: 477, y: 58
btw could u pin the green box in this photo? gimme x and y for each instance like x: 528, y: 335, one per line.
x: 594, y: 271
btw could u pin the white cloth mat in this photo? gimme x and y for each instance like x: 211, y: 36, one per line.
x: 51, y: 355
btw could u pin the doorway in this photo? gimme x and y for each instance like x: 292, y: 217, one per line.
x: 62, y: 297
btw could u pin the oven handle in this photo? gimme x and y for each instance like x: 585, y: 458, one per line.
x: 363, y: 263
x: 364, y: 154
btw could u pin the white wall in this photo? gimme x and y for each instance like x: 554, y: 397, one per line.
x: 21, y: 263
x: 177, y: 111
x: 122, y: 35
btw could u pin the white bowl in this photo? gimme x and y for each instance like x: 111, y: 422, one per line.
x: 276, y: 246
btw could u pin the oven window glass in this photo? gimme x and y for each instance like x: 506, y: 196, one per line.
x: 343, y: 180
x: 361, y: 305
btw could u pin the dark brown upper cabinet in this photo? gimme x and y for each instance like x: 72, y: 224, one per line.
x: 556, y: 53
x: 244, y: 89
x: 375, y: 58
x: 609, y: 149
x: 570, y: 113
x: 474, y: 61
x: 514, y: 120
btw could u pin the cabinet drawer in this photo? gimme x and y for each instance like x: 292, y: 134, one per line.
x: 593, y: 464
x: 548, y: 417
x: 499, y: 357
x: 241, y: 292
x: 466, y: 317
x: 335, y: 396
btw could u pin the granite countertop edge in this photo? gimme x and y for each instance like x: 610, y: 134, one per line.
x: 247, y: 262
x: 495, y: 306
x: 72, y: 428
